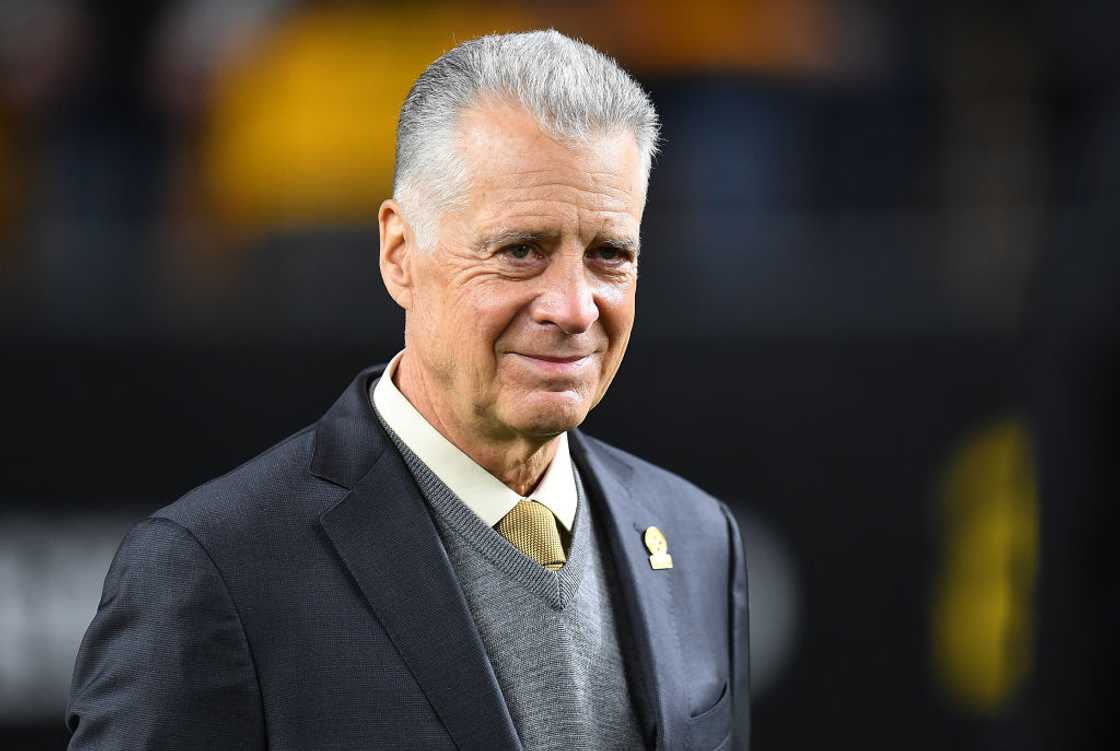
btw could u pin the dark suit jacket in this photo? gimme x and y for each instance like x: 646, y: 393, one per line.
x: 305, y: 601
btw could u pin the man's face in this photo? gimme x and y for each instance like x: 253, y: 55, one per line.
x: 521, y: 314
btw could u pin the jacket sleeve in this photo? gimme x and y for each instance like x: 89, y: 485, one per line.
x: 740, y: 636
x: 165, y: 663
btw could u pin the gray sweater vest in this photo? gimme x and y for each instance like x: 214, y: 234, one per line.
x: 551, y: 637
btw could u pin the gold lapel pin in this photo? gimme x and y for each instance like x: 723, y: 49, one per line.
x: 658, y: 548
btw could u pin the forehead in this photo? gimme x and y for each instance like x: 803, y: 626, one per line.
x: 520, y: 174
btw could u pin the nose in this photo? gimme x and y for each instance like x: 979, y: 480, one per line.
x: 568, y: 298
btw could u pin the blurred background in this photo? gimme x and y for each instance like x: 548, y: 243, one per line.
x: 879, y: 278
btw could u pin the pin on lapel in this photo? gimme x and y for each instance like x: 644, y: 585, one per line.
x: 658, y: 548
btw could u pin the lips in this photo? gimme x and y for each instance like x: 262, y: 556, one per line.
x: 556, y: 358
x: 565, y: 366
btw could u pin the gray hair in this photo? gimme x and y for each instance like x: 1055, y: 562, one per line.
x: 574, y: 91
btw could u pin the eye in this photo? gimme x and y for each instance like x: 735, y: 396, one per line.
x: 520, y: 251
x: 610, y: 254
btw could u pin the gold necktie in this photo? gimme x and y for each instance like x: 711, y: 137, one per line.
x: 531, y: 528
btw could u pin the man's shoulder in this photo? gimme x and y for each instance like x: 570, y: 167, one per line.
x: 271, y: 490
x: 661, y: 489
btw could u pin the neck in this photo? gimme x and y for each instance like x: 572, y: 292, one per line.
x: 518, y: 462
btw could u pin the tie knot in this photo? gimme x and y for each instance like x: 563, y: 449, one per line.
x: 531, y: 528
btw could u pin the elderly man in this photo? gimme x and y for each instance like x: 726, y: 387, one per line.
x: 443, y: 561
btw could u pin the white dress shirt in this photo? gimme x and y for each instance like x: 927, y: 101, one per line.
x: 483, y: 493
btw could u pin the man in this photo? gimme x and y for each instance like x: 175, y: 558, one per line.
x: 443, y: 560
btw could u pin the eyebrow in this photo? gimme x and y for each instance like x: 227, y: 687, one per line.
x: 516, y: 236
x: 623, y: 244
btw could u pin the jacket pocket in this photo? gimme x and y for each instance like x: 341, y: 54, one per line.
x: 710, y: 729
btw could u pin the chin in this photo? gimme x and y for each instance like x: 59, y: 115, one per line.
x: 549, y: 415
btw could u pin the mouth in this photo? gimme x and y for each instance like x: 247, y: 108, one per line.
x: 555, y: 358
x: 555, y: 365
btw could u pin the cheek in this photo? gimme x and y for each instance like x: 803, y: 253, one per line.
x: 617, y: 312
x: 484, y: 314
x: 500, y: 305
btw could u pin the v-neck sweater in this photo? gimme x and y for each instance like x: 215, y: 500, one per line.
x: 551, y: 637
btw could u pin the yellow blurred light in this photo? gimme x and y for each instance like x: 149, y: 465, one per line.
x: 982, y: 622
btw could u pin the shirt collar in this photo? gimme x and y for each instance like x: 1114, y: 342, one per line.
x: 483, y: 493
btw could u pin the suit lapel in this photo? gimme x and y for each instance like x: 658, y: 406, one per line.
x: 386, y: 539
x: 647, y: 594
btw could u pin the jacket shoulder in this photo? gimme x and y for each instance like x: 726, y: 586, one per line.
x: 274, y: 487
x: 664, y: 491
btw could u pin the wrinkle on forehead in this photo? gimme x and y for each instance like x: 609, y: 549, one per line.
x: 556, y: 201
x: 591, y: 191
x: 565, y: 188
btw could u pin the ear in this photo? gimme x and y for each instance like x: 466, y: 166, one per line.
x: 395, y: 259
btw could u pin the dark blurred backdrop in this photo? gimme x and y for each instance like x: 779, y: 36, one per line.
x: 878, y: 275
